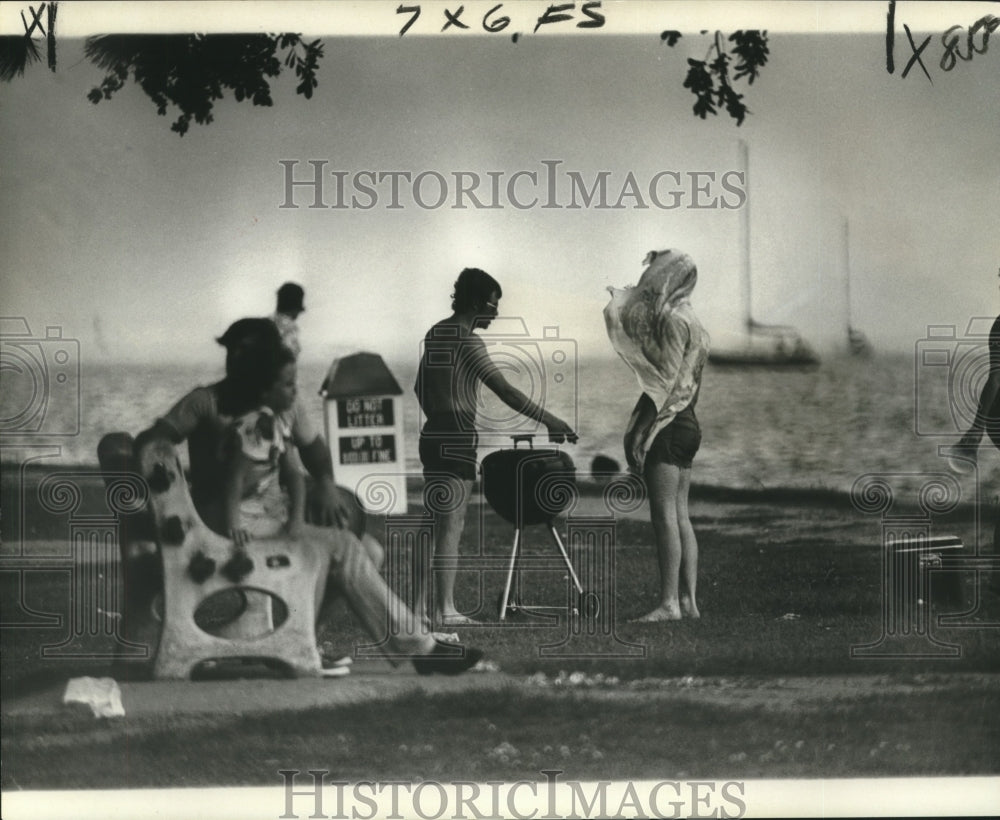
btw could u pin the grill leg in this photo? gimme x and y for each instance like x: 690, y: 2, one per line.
x: 565, y: 555
x: 510, y: 574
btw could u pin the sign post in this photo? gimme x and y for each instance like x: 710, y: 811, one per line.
x: 364, y: 428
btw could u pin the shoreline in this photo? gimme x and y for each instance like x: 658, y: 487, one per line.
x: 27, y: 517
x: 587, y: 485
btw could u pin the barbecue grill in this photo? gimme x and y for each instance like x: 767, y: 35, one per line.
x: 526, y: 487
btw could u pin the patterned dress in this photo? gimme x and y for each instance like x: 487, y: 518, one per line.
x: 264, y: 438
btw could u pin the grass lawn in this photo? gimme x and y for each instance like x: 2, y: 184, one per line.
x: 514, y: 736
x: 783, y: 593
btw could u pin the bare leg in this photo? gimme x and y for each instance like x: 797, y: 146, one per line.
x: 994, y: 575
x: 447, y: 501
x: 400, y: 633
x: 663, y: 484
x: 353, y: 575
x: 689, y: 551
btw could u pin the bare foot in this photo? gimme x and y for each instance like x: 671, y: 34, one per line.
x: 689, y: 609
x: 661, y: 613
x: 457, y: 619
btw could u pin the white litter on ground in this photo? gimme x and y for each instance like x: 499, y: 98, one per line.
x: 102, y: 695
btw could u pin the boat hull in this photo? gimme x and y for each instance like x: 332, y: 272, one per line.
x: 746, y: 358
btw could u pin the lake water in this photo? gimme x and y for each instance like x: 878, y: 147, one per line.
x: 818, y: 428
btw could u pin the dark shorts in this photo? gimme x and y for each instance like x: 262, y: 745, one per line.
x: 993, y: 431
x: 445, y: 449
x: 678, y: 442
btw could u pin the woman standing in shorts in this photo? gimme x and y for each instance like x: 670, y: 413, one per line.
x: 654, y: 329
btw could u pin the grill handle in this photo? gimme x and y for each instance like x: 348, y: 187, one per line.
x: 528, y: 437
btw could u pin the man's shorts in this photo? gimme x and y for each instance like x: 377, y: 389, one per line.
x: 678, y: 442
x: 444, y: 449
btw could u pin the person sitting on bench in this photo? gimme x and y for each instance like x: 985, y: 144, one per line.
x: 204, y: 418
x: 264, y: 494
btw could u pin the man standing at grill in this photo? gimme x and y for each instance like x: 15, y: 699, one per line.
x: 454, y: 364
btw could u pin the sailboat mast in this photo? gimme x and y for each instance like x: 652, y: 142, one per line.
x: 745, y: 230
x: 847, y: 272
x: 857, y: 344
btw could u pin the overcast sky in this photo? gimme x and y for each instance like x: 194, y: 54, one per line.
x: 145, y: 245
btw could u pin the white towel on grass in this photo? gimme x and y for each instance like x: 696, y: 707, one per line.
x: 102, y: 695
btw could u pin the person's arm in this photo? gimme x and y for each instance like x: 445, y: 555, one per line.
x: 987, y: 399
x: 160, y: 431
x: 295, y: 483
x: 331, y: 508
x: 330, y: 505
x: 987, y: 396
x: 234, y: 474
x: 643, y: 416
x: 182, y: 419
x: 491, y: 376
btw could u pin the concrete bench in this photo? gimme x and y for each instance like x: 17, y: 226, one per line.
x: 171, y: 555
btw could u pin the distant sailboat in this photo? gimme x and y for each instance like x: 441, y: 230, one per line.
x: 767, y: 345
x: 99, y: 340
x: 857, y: 343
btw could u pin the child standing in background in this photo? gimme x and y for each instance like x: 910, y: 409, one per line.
x: 290, y: 306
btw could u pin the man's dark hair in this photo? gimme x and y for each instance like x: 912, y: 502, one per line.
x: 254, y: 355
x: 473, y: 289
x: 290, y: 297
x: 245, y: 333
x: 269, y: 368
x: 247, y: 342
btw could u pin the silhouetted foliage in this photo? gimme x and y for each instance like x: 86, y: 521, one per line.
x: 20, y: 51
x: 710, y: 81
x: 191, y: 72
x: 670, y: 37
x: 16, y: 54
x: 751, y: 48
